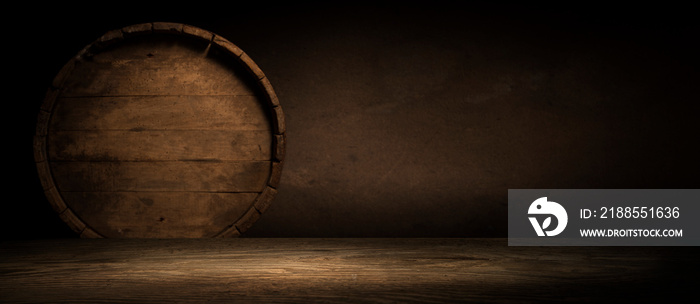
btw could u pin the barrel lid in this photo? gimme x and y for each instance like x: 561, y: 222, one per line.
x: 160, y: 130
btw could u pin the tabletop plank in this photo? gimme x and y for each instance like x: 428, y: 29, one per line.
x: 338, y: 271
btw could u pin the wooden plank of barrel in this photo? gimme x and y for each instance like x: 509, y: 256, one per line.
x: 160, y: 130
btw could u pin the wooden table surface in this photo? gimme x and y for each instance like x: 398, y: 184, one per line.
x: 269, y: 270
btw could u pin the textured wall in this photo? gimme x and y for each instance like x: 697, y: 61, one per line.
x: 409, y: 121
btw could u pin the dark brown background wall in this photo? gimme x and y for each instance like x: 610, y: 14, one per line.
x: 414, y: 121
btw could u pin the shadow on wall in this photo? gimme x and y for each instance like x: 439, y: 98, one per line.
x: 416, y: 122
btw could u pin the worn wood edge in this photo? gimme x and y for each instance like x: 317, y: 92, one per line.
x: 39, y: 142
x: 230, y: 232
x: 39, y: 147
x: 167, y: 27
x: 252, y: 67
x: 273, y: 100
x: 137, y: 29
x: 278, y: 124
x: 196, y: 32
x: 88, y: 233
x: 260, y: 205
x: 50, y: 98
x: 263, y: 201
x: 247, y: 220
x: 43, y: 119
x: 42, y: 123
x: 46, y: 109
x: 75, y: 223
x: 117, y: 35
x: 262, y: 81
x: 275, y: 174
x: 279, y: 147
x: 109, y: 38
x: 55, y: 200
x: 227, y: 45
x: 44, y: 171
x: 46, y: 177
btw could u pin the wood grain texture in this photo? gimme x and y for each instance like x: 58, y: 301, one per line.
x: 144, y: 214
x: 138, y: 29
x: 52, y: 194
x: 197, y: 32
x: 157, y: 65
x: 278, y: 122
x: 108, y: 39
x: 167, y: 27
x: 267, y: 86
x: 73, y: 221
x: 198, y: 112
x: 275, y: 174
x: 227, y: 45
x: 42, y: 122
x: 279, y: 146
x: 339, y: 271
x: 197, y: 176
x: 164, y: 113
x: 263, y: 201
x: 125, y: 77
x: 159, y: 145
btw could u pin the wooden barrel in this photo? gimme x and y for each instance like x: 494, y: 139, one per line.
x: 160, y: 130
